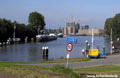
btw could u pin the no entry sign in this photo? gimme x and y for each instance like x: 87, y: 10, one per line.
x: 69, y: 47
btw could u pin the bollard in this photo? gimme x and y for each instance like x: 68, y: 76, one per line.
x: 32, y: 39
x: 26, y: 39
x: 118, y: 39
x: 3, y: 43
x: 86, y: 47
x: 46, y: 53
x: 83, y: 52
x: 7, y: 43
x: 113, y: 48
x: 43, y: 53
x: 0, y: 44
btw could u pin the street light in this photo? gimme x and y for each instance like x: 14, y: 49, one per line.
x: 111, y: 46
x: 14, y: 33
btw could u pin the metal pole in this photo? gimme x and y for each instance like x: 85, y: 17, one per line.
x: 68, y: 56
x: 111, y: 41
x: 92, y: 38
x: 111, y: 47
x: 14, y: 33
x: 67, y: 63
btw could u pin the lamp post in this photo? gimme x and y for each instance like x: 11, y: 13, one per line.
x: 14, y: 33
x: 111, y: 47
x: 111, y: 42
x: 92, y: 38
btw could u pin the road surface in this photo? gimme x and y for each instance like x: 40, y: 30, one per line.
x: 110, y: 60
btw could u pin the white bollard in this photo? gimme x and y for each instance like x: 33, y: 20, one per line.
x: 83, y: 52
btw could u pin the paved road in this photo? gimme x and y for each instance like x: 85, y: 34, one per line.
x: 110, y: 60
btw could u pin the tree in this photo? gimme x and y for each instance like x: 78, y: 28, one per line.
x: 113, y: 23
x: 108, y: 26
x: 116, y: 26
x: 36, y: 20
x: 6, y: 30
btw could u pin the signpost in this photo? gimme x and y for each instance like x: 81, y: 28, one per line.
x: 69, y: 48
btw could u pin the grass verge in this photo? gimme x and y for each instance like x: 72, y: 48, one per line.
x: 99, y: 70
x: 22, y: 71
x: 78, y: 59
x: 104, y: 68
x: 63, y: 70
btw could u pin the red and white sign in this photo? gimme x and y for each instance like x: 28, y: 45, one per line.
x: 69, y: 47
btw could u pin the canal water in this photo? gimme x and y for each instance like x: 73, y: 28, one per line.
x: 32, y: 52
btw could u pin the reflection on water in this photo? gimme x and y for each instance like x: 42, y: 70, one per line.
x: 32, y: 52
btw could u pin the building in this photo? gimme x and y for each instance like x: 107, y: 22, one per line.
x: 85, y: 27
x: 89, y: 32
x: 71, y: 28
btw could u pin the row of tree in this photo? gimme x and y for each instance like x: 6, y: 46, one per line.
x: 36, y: 23
x: 114, y: 24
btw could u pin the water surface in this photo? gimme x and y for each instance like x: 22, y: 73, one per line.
x: 32, y: 52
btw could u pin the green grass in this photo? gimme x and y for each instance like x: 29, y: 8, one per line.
x: 24, y: 71
x: 104, y: 68
x: 63, y: 70
x: 78, y: 59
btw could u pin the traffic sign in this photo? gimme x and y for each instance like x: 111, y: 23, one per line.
x: 71, y: 40
x: 69, y: 47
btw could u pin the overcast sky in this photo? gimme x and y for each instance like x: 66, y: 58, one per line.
x: 58, y: 12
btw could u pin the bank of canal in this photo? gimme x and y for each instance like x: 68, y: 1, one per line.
x: 32, y: 52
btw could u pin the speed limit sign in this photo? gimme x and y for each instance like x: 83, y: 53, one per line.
x: 69, y: 47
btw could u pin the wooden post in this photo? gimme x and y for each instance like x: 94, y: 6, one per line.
x: 43, y: 53
x: 46, y: 53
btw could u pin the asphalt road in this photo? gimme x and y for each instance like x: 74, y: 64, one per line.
x: 110, y: 60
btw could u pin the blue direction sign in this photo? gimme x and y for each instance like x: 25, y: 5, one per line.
x: 71, y: 40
